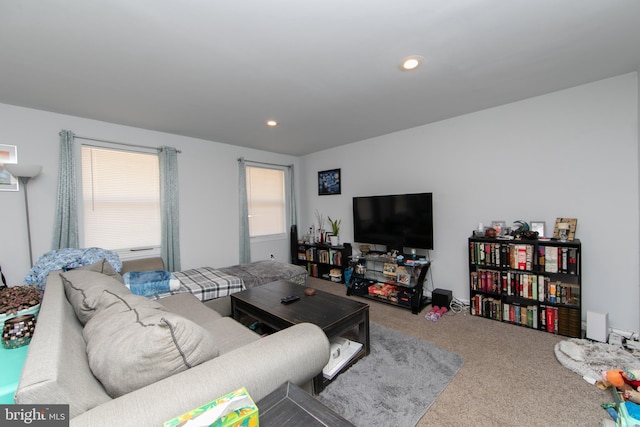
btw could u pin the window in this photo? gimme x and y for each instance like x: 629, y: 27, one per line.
x: 266, y: 200
x: 120, y: 198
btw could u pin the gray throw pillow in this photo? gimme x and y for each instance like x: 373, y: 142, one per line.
x: 84, y: 287
x: 103, y: 266
x: 131, y: 343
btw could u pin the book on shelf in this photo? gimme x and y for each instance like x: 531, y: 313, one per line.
x: 573, y: 261
x: 551, y: 259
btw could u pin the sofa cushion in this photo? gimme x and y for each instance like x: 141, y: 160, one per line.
x: 188, y: 306
x: 56, y: 370
x: 133, y: 342
x: 84, y: 288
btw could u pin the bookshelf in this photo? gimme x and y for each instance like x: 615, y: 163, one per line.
x: 381, y: 278
x: 324, y: 261
x: 531, y: 283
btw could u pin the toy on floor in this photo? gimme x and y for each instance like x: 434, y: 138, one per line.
x: 625, y: 380
x: 435, y: 313
x: 611, y: 410
x: 431, y: 312
x: 438, y: 314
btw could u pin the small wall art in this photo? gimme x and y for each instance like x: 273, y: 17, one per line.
x: 8, y: 154
x: 329, y: 182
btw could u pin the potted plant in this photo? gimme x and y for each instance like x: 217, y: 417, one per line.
x: 335, y: 228
x: 18, y: 300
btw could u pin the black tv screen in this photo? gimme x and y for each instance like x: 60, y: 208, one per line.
x: 396, y: 221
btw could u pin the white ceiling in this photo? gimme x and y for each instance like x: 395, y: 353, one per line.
x: 327, y: 70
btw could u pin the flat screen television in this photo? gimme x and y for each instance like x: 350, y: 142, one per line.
x: 396, y: 221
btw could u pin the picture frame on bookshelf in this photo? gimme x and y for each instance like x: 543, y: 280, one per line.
x: 404, y: 276
x: 538, y: 226
x: 329, y: 182
x: 499, y: 226
x: 389, y: 269
x: 571, y: 234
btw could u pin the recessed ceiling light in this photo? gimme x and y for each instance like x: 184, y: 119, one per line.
x: 272, y: 123
x: 411, y: 63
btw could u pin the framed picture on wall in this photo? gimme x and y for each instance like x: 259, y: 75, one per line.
x: 329, y: 182
x: 8, y: 154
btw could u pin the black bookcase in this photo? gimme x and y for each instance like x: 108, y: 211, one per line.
x: 324, y: 261
x: 531, y: 283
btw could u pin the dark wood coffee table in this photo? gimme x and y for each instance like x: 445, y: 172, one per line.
x: 334, y: 314
x: 291, y: 406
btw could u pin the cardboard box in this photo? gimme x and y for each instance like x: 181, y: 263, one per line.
x: 235, y: 409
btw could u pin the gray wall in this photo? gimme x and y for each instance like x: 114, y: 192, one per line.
x: 572, y: 153
x: 208, y: 173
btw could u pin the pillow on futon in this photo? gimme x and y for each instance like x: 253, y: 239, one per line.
x: 103, y: 266
x: 84, y: 287
x: 132, y: 343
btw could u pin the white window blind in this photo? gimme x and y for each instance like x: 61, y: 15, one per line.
x: 266, y: 200
x: 121, y: 198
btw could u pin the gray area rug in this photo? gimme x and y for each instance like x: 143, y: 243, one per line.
x: 590, y: 358
x: 395, y: 384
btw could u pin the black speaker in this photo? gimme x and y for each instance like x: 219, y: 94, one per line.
x: 441, y: 298
x: 294, y: 244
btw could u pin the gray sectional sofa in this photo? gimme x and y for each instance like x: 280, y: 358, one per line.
x: 120, y: 359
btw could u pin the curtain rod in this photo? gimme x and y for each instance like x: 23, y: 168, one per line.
x: 119, y: 143
x: 263, y: 163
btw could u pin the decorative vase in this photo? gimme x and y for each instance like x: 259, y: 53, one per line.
x: 34, y: 309
x: 335, y: 240
x: 18, y: 331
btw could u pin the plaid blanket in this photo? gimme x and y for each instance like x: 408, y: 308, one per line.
x: 206, y: 283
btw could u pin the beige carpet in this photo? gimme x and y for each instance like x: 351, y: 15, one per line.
x: 510, y: 377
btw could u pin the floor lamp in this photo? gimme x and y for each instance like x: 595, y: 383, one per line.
x: 24, y: 173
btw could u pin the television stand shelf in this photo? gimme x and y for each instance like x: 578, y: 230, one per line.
x: 382, y: 278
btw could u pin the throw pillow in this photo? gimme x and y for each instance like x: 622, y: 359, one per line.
x: 83, y: 289
x: 103, y: 267
x: 131, y: 343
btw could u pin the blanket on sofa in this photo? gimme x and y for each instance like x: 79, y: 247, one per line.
x: 68, y: 259
x: 206, y: 283
x: 150, y: 283
x: 260, y: 272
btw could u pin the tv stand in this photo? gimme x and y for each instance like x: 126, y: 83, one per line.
x: 382, y: 278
